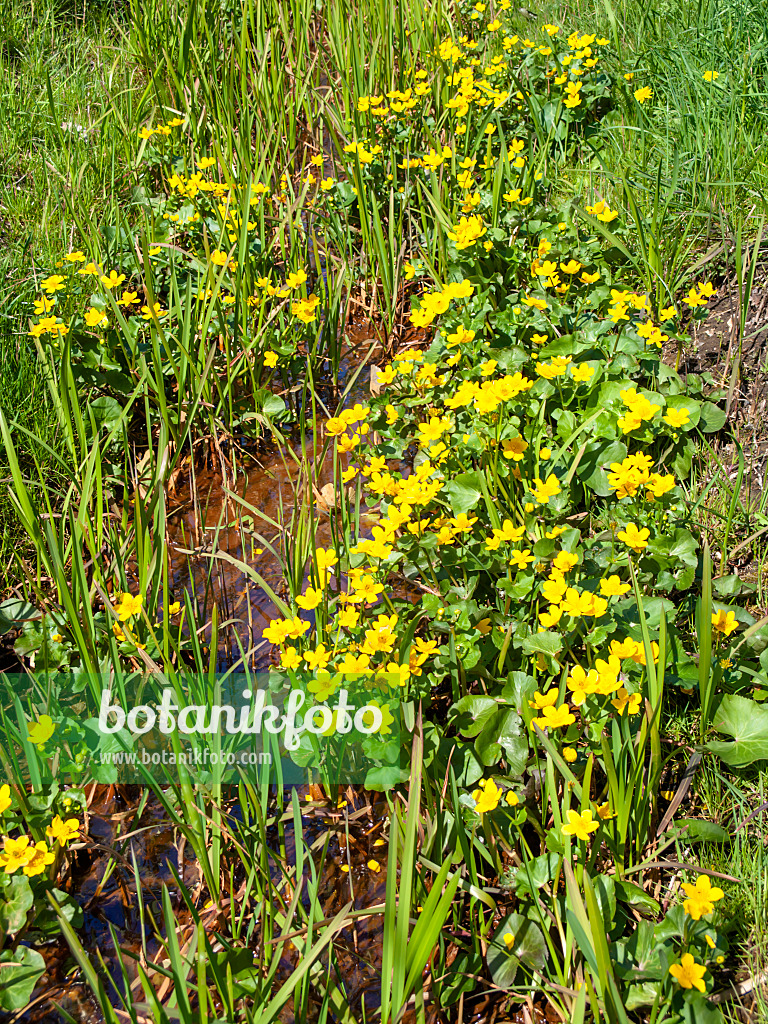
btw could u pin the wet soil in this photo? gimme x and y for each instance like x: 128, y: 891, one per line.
x: 740, y: 367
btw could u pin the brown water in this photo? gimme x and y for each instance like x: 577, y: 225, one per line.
x: 213, y: 527
x: 102, y: 880
x: 219, y: 522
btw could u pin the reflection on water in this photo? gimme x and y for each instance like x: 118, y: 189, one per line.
x: 219, y: 529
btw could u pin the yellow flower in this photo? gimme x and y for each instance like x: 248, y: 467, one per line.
x: 44, y: 305
x: 514, y: 448
x: 5, y: 798
x: 521, y: 559
x: 635, y: 538
x: 544, y: 491
x: 295, y: 279
x: 569, y: 754
x: 604, y: 811
x: 41, y: 857
x: 433, y: 430
x: 677, y: 417
x: 724, y: 623
x: 290, y: 658
x: 565, y: 561
x: 467, y: 231
x: 96, y: 318
x: 311, y: 599
x: 270, y: 359
x: 52, y: 284
x: 487, y: 797
x: 550, y: 618
x: 219, y: 258
x: 324, y: 686
x: 602, y: 211
x: 150, y: 312
x: 555, y: 718
x: 711, y: 76
x: 641, y: 95
x: 41, y: 730
x: 613, y: 587
x: 580, y: 825
x: 702, y: 897
x: 63, y: 831
x: 318, y: 658
x: 90, y: 269
x: 16, y: 853
x: 113, y: 280
x: 306, y: 309
x: 128, y: 606
x: 625, y: 701
x: 688, y: 973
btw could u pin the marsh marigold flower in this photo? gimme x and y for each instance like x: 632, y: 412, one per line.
x: 724, y: 622
x: 41, y: 730
x: 467, y: 231
x: 63, y: 831
x: 688, y: 973
x: 635, y: 538
x: 702, y: 896
x: 543, y: 491
x: 128, y: 606
x: 487, y: 796
x: 555, y: 718
x: 580, y: 825
x: 40, y: 858
x: 16, y: 853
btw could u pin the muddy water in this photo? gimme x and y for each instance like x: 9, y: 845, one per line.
x: 102, y: 880
x: 102, y: 877
x: 251, y: 521
x: 209, y: 532
x: 213, y: 528
x: 355, y: 870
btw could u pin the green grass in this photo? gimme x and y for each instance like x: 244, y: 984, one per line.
x: 259, y: 93
x: 64, y: 72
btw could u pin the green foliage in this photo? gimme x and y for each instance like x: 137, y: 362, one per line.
x: 248, y: 175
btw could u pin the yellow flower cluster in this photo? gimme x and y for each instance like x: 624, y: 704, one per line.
x: 34, y: 858
x: 628, y: 476
x: 161, y: 129
x: 639, y: 409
